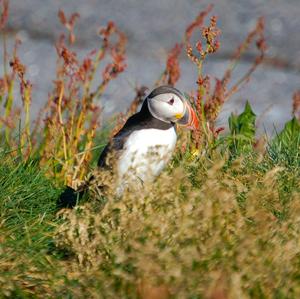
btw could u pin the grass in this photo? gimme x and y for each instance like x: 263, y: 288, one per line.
x: 208, y: 226
x: 221, y: 222
x: 27, y: 213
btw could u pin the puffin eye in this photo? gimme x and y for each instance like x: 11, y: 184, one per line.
x: 171, y: 102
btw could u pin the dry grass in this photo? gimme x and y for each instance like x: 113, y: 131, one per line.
x: 207, y: 228
x: 230, y: 235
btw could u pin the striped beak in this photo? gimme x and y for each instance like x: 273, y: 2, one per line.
x: 189, y: 120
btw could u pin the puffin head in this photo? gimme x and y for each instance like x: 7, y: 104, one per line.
x: 169, y: 105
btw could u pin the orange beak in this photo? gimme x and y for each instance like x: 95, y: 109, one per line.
x: 189, y: 120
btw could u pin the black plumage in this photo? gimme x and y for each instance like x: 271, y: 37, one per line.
x: 139, y: 121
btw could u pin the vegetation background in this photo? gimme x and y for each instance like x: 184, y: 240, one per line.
x: 221, y: 222
x: 152, y: 28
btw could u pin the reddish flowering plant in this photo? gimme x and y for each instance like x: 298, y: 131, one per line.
x: 208, y: 103
x: 25, y: 86
x: 11, y: 117
x: 3, y: 87
x: 207, y: 44
x: 69, y: 24
x: 4, y: 5
x: 296, y: 104
x: 173, y: 69
x: 210, y: 35
x: 257, y: 36
x: 117, y: 52
x: 171, y: 74
x: 72, y: 115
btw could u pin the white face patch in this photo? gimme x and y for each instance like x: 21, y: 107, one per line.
x: 167, y: 107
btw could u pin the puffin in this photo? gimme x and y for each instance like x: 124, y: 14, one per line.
x: 142, y: 148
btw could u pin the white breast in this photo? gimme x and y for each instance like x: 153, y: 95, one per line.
x: 144, y: 156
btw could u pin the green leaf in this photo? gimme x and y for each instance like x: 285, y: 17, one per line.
x: 244, y: 123
x: 242, y: 130
x: 285, y: 147
x: 290, y: 134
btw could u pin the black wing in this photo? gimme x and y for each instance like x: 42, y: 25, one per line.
x: 139, y: 121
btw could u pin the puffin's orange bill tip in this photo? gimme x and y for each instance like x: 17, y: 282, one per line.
x: 193, y: 122
x: 190, y: 119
